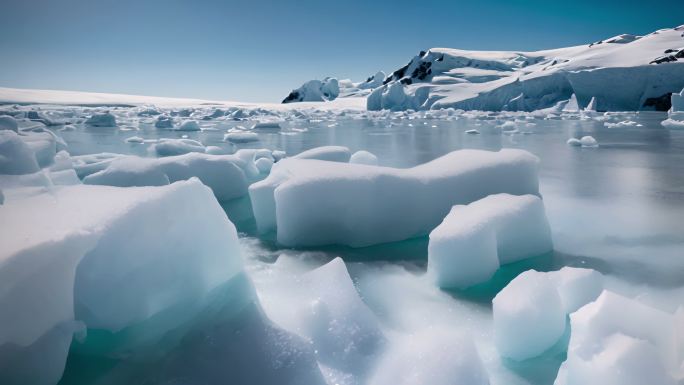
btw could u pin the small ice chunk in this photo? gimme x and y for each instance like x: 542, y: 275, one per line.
x: 148, y: 111
x: 171, y: 147
x: 472, y: 132
x: 264, y: 165
x: 266, y: 126
x: 588, y: 141
x: 189, y: 125
x: 364, y: 157
x: 677, y: 100
x: 509, y: 126
x: 528, y: 316
x: 8, y: 123
x: 135, y: 139
x: 577, y: 286
x: 329, y: 153
x: 591, y: 107
x: 514, y: 319
x: 574, y: 142
x: 474, y: 239
x: 673, y: 124
x: 241, y: 137
x: 616, y: 340
x: 16, y: 157
x: 164, y: 121
x: 571, y: 105
x: 104, y: 119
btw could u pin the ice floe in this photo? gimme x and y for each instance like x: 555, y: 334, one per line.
x: 312, y: 202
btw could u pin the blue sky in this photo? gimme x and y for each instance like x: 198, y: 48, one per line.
x: 258, y: 50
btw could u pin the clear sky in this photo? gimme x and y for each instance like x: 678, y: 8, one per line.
x: 257, y: 50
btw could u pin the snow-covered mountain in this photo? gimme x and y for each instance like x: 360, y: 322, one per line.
x: 331, y: 88
x: 625, y: 72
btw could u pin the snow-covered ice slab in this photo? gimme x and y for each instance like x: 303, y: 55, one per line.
x: 227, y: 175
x: 311, y: 202
x: 530, y: 312
x: 619, y: 341
x: 107, y: 256
x: 475, y: 239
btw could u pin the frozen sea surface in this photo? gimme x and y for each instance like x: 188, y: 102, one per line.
x: 616, y: 208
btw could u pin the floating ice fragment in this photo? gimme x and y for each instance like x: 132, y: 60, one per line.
x: 618, y: 341
x: 104, y: 119
x: 264, y: 165
x: 171, y: 147
x: 135, y: 139
x: 364, y: 157
x: 189, y: 125
x: 588, y: 141
x: 574, y: 142
x: 241, y: 137
x: 329, y: 153
x: 473, y: 240
x: 530, y: 312
x: 164, y: 121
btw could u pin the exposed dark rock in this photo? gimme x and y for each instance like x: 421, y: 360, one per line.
x: 421, y: 72
x: 398, y: 74
x: 661, y: 103
x: 663, y: 59
x: 292, y: 97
